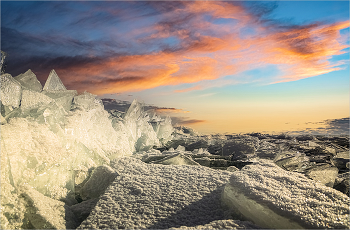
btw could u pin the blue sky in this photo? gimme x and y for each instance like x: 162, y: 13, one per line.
x: 226, y: 66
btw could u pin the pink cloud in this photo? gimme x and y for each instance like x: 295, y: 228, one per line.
x: 207, y: 51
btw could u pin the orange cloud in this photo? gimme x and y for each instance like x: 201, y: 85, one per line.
x: 170, y: 110
x: 207, y: 51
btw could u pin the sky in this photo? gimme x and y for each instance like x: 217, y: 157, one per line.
x: 215, y: 66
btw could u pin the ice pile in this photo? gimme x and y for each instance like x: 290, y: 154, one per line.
x: 275, y: 198
x: 159, y: 196
x: 52, y: 138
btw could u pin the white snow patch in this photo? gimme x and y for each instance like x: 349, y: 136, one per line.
x: 263, y: 189
x: 159, y: 196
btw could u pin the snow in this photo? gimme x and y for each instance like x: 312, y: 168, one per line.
x: 101, y: 177
x: 275, y: 198
x: 159, y: 196
x: 46, y: 213
x: 224, y: 224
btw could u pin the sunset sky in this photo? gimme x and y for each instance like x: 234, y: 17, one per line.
x: 218, y: 67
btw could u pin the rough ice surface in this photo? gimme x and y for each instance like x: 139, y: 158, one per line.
x: 62, y: 98
x: 32, y: 99
x: 176, y: 159
x: 159, y: 196
x: 54, y: 83
x: 11, y: 91
x: 274, y: 198
x: 2, y: 61
x: 29, y: 81
x: 101, y: 178
x: 82, y: 210
x: 224, y: 224
x: 56, y: 137
x: 324, y: 174
x: 46, y: 213
x: 35, y: 156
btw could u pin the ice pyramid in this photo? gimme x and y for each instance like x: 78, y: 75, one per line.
x: 54, y: 83
x: 29, y: 81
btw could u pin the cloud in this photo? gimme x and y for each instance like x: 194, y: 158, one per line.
x: 185, y: 121
x: 164, y: 110
x: 123, y: 106
x: 175, y: 44
x: 327, y: 127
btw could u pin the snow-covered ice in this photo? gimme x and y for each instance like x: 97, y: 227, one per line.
x: 224, y: 224
x: 275, y: 198
x: 159, y: 196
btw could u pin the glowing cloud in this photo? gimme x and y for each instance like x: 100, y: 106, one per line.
x: 185, y: 44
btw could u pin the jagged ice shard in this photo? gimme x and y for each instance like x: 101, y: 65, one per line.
x: 29, y: 81
x: 51, y: 139
x: 54, y: 83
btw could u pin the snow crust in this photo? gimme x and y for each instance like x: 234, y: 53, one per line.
x: 289, y: 194
x: 159, y: 196
x: 224, y: 224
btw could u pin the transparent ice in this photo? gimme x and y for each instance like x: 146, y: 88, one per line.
x: 28, y: 80
x: 52, y: 139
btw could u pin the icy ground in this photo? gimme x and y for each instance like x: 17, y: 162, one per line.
x: 66, y: 162
x: 159, y: 196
